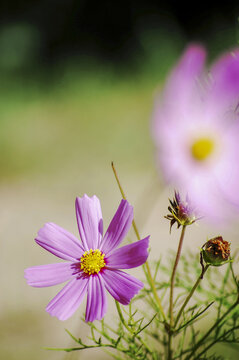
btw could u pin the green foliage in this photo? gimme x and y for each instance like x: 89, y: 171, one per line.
x: 141, y: 334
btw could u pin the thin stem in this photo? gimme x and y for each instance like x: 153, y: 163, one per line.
x: 220, y: 338
x: 174, y: 273
x: 82, y: 348
x: 124, y: 197
x: 152, y: 284
x: 122, y: 317
x: 225, y: 280
x: 211, y: 329
x: 129, y: 329
x: 233, y: 275
x: 169, y: 345
x: 171, y: 292
x: 190, y: 294
x: 146, y: 267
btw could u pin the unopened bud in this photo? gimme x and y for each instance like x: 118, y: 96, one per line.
x: 181, y: 212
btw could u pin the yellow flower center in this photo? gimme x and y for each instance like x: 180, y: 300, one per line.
x: 202, y: 148
x: 92, y: 261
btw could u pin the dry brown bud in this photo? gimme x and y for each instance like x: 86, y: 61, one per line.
x: 216, y: 251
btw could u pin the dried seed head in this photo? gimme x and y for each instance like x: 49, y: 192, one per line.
x: 216, y: 251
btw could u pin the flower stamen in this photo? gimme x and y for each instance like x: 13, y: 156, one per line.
x: 92, y: 261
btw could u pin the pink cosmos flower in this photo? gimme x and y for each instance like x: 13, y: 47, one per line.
x: 93, y: 266
x: 196, y: 131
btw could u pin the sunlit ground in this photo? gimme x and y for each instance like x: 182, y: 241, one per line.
x: 57, y: 140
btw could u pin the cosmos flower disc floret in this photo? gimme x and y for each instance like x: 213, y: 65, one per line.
x: 93, y: 266
x: 92, y: 261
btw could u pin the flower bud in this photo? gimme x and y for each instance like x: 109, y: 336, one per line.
x: 181, y: 212
x: 216, y: 251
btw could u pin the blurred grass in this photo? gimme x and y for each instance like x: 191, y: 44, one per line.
x: 78, y: 114
x: 73, y: 123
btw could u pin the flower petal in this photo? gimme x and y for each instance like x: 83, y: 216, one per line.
x: 224, y: 94
x: 228, y: 169
x: 129, y: 256
x: 48, y: 275
x: 181, y: 100
x: 208, y: 199
x: 123, y: 287
x: 118, y: 228
x: 66, y: 302
x: 183, y: 81
x: 96, y: 300
x: 89, y: 219
x: 59, y: 242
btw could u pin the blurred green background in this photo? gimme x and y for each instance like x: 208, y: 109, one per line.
x: 67, y: 110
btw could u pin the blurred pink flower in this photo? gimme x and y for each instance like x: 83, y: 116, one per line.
x: 93, y: 265
x: 196, y: 131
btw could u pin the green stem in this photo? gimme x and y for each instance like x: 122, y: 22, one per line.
x: 220, y: 338
x: 121, y: 317
x: 152, y: 284
x: 233, y: 275
x: 169, y: 345
x: 190, y: 294
x: 170, y: 334
x: 83, y: 348
x: 146, y: 267
x: 171, y: 293
x: 211, y: 329
x: 129, y: 329
x: 173, y: 275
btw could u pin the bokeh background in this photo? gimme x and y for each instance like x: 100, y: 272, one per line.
x: 78, y: 79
